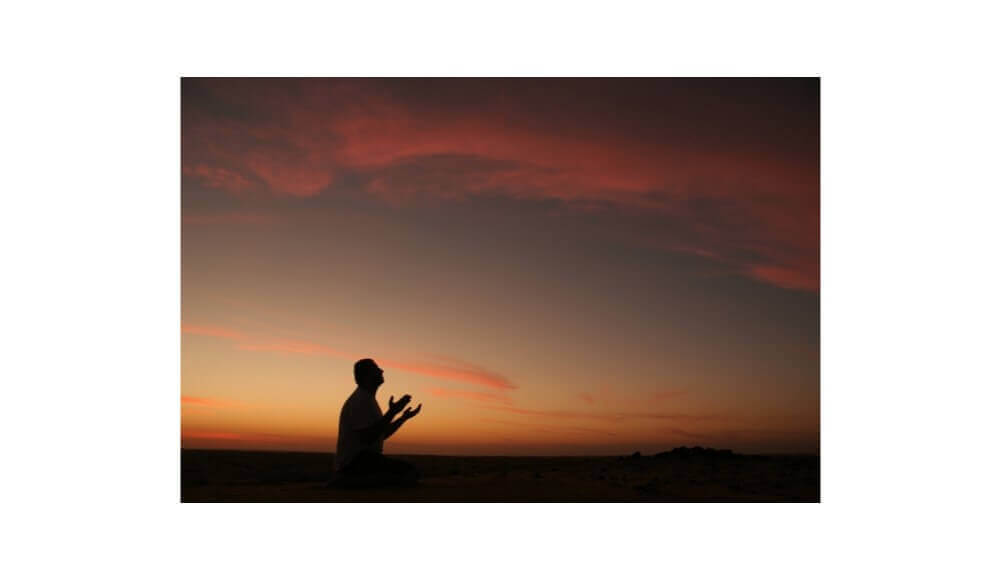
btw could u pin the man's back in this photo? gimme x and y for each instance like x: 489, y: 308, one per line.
x: 361, y: 410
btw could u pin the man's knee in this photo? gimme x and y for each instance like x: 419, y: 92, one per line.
x: 409, y: 474
x: 376, y: 471
x: 402, y: 471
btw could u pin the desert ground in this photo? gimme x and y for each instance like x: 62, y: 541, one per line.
x: 683, y: 475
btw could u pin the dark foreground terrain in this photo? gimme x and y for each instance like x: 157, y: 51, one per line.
x: 683, y: 475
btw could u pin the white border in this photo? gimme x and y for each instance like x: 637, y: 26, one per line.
x: 91, y: 247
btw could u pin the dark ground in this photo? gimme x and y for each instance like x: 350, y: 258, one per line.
x: 679, y: 476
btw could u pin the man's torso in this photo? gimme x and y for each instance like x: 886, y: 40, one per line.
x: 361, y: 410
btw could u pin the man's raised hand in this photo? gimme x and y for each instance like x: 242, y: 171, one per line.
x: 410, y: 413
x: 396, y: 406
x: 393, y: 423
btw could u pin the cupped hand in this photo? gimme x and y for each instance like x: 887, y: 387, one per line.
x: 397, y: 406
x: 411, y: 412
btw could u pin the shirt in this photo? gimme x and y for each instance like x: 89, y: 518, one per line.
x: 361, y: 410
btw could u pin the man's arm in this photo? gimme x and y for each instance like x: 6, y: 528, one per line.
x: 385, y: 426
x: 407, y: 415
x: 371, y: 433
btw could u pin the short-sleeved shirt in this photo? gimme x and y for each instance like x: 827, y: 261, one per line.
x: 361, y: 410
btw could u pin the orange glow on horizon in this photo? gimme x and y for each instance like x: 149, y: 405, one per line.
x: 549, y: 266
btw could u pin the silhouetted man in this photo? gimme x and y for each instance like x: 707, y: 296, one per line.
x: 363, y: 428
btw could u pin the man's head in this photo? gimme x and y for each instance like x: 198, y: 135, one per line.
x: 367, y: 374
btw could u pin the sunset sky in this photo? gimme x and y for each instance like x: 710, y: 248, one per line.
x: 551, y: 266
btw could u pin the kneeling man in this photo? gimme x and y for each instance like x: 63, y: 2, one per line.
x: 363, y: 428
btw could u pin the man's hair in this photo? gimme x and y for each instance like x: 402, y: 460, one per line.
x: 361, y: 368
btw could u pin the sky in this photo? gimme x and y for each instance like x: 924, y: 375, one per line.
x: 550, y: 266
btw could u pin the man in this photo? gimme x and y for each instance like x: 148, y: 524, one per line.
x: 363, y: 428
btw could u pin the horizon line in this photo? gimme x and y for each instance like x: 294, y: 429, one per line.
x: 228, y: 450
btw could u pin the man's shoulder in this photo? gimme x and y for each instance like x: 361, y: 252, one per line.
x: 358, y: 398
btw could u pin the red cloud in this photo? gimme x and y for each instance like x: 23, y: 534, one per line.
x: 469, y: 395
x: 465, y: 374
x: 727, y: 184
x: 219, y: 178
x: 462, y: 374
x: 456, y: 370
x: 289, y: 176
x: 785, y: 277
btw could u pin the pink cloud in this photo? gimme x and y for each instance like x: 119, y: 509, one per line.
x: 468, y: 395
x: 295, y: 136
x: 219, y: 178
x: 785, y: 277
x: 463, y: 374
x: 467, y: 373
x: 456, y: 370
x: 290, y: 176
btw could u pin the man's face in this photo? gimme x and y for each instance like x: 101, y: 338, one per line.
x: 375, y: 375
